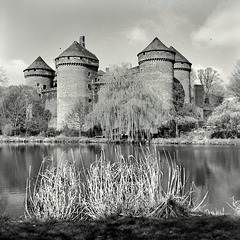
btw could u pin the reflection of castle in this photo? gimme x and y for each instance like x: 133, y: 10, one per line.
x: 77, y: 76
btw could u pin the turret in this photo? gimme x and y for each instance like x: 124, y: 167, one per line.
x: 182, y: 69
x: 39, y: 75
x: 77, y: 69
x: 156, y: 68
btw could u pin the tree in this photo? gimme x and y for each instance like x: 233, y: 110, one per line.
x: 37, y: 118
x: 185, y: 117
x: 226, y: 116
x: 76, y: 118
x: 20, y: 107
x: 126, y: 106
x: 3, y: 77
x: 234, y: 83
x: 210, y: 78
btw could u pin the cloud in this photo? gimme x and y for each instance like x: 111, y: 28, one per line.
x: 136, y: 34
x: 222, y: 27
x: 14, y: 71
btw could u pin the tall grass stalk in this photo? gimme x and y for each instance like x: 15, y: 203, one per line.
x: 55, y: 192
x: 143, y: 186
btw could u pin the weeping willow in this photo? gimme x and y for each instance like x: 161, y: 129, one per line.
x: 126, y: 106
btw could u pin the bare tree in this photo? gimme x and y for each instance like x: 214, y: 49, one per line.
x: 234, y: 84
x: 210, y: 78
x: 3, y: 77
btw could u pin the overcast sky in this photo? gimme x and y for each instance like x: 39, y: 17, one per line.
x: 206, y: 32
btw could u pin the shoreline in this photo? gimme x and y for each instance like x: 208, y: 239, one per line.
x: 195, y: 227
x: 85, y: 140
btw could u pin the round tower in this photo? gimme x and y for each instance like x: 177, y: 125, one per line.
x: 39, y: 75
x: 182, y: 69
x: 77, y: 69
x: 156, y: 68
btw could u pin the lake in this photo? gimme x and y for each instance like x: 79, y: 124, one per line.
x: 214, y: 169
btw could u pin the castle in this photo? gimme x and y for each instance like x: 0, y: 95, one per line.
x: 77, y: 75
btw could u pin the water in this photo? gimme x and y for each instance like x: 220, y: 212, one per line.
x: 214, y: 169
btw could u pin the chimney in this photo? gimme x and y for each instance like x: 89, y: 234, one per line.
x: 82, y: 41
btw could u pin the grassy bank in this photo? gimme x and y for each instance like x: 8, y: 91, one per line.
x: 192, y: 138
x: 195, y: 141
x: 58, y: 139
x: 204, y: 227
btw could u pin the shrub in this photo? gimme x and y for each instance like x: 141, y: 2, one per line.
x: 7, y: 130
x: 52, y: 132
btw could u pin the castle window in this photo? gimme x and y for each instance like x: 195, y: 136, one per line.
x: 206, y: 101
x: 89, y: 74
x: 89, y: 87
x: 34, y: 69
x: 37, y: 84
x: 44, y: 87
x: 89, y: 100
x: 96, y: 79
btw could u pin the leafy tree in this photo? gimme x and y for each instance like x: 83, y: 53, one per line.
x: 234, y: 84
x: 76, y: 118
x: 226, y: 116
x: 21, y: 107
x: 185, y: 116
x: 37, y: 118
x: 126, y: 106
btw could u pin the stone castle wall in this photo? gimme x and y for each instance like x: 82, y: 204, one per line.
x: 74, y: 81
x: 50, y: 99
x: 182, y: 74
x: 38, y: 77
x: 199, y: 95
x: 156, y: 70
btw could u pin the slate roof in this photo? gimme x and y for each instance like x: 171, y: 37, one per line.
x: 156, y: 44
x: 101, y: 73
x: 39, y: 63
x: 77, y: 50
x: 179, y: 57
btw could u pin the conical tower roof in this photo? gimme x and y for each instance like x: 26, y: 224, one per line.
x: 155, y: 45
x: 179, y: 57
x: 39, y: 63
x: 77, y: 50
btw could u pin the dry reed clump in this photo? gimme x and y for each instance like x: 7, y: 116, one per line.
x: 235, y: 206
x: 142, y: 187
x: 146, y: 186
x: 55, y: 194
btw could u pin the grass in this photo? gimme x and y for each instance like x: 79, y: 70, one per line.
x: 204, y: 227
x: 55, y: 194
x: 146, y: 186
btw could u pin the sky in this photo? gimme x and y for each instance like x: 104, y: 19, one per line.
x: 206, y: 32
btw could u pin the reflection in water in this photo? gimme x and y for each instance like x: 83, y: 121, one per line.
x: 214, y: 169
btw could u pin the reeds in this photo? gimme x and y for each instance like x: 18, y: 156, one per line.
x: 146, y: 186
x: 55, y: 194
x: 235, y: 206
